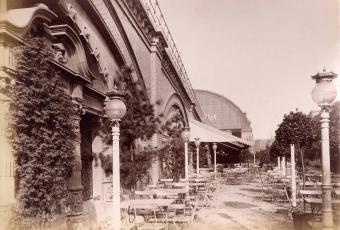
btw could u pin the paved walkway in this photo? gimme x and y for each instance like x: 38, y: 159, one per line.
x: 238, y: 207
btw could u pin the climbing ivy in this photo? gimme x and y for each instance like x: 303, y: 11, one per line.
x: 172, y: 149
x: 42, y: 132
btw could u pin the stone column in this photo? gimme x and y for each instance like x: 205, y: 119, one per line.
x: 74, y: 209
x: 197, y: 143
x: 215, y: 160
x: 191, y: 162
x: 3, y: 6
x: 98, y: 173
x: 7, y: 161
x: 283, y: 167
x: 327, y: 216
x: 292, y: 157
x: 155, y: 166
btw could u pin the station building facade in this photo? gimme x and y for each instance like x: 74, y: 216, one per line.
x: 224, y: 115
x: 92, y: 40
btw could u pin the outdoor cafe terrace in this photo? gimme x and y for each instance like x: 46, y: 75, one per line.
x: 238, y: 197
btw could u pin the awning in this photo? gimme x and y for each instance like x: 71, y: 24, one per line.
x: 207, y: 133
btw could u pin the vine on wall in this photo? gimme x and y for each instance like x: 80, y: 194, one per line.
x: 42, y: 132
x: 172, y: 150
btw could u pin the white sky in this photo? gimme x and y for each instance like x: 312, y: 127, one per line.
x: 258, y: 53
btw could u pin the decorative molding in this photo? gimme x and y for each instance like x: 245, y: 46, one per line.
x: 88, y: 35
x: 77, y: 91
x: 20, y: 20
x: 105, y: 73
x: 72, y: 12
x: 72, y: 40
x: 85, y: 32
x: 141, y: 17
x: 60, y: 54
x: 174, y: 78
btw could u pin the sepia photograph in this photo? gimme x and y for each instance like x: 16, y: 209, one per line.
x: 169, y: 115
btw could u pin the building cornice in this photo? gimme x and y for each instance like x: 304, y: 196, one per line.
x: 140, y: 16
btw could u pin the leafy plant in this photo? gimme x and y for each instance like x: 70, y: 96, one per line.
x: 42, y: 132
x: 137, y: 128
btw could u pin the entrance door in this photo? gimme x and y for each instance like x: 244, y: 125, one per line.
x: 86, y: 156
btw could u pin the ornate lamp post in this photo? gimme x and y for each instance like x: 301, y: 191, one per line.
x: 186, y: 136
x: 115, y: 109
x: 215, y: 161
x: 197, y: 143
x: 324, y: 94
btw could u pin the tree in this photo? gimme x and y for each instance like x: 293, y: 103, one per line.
x: 277, y: 150
x: 42, y: 131
x: 299, y: 129
x: 137, y: 127
x: 334, y: 127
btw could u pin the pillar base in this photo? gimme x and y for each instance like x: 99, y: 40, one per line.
x: 75, y: 222
x: 74, y: 204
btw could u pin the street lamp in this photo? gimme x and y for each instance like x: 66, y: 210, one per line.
x: 115, y: 109
x: 186, y: 136
x: 215, y: 161
x: 324, y: 94
x: 197, y: 143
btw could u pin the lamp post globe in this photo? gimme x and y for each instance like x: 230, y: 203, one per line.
x: 323, y: 94
x: 186, y: 134
x: 214, y: 146
x: 115, y: 109
x: 197, y: 142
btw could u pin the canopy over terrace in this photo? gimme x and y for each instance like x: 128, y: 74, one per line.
x: 205, y: 133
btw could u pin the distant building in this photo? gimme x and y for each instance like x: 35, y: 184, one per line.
x: 223, y: 114
x: 262, y: 144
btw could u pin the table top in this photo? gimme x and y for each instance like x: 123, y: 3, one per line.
x: 166, y: 180
x: 146, y: 203
x: 319, y: 201
x: 311, y: 192
x: 196, y: 184
x: 198, y: 180
x: 168, y: 192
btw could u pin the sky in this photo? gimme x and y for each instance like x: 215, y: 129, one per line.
x: 260, y: 54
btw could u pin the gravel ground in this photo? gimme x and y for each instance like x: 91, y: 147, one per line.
x: 239, y: 207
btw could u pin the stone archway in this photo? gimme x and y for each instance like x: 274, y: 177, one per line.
x: 175, y: 105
